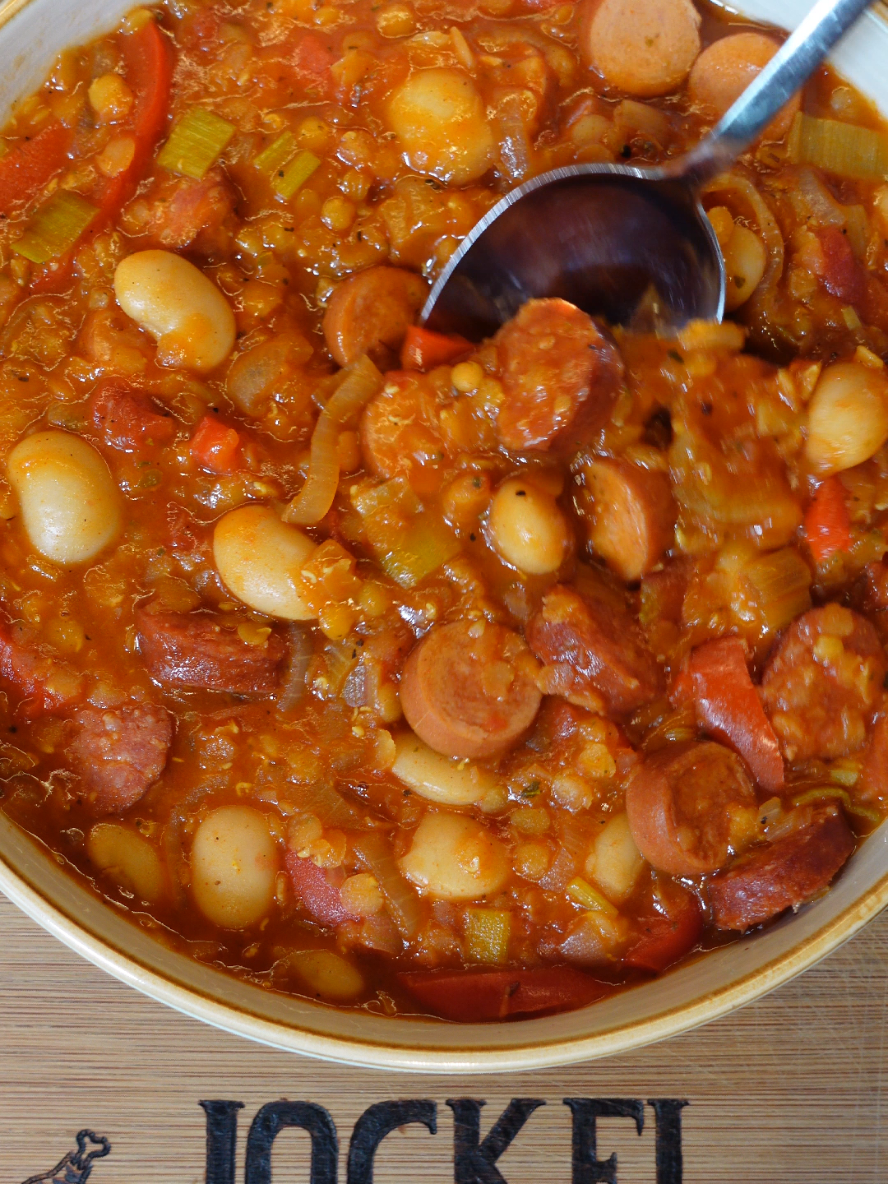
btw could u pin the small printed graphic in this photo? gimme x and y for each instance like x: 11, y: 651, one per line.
x: 76, y: 1166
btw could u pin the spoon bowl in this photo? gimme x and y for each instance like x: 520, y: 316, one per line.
x: 628, y: 243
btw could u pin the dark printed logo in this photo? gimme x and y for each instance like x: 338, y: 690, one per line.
x: 474, y: 1158
x: 76, y: 1166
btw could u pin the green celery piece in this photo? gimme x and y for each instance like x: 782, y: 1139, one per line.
x: 845, y: 149
x: 195, y: 143
x: 55, y: 227
x: 279, y: 153
x: 295, y: 174
x: 422, y: 549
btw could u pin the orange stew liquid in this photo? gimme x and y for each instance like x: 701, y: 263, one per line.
x: 398, y: 671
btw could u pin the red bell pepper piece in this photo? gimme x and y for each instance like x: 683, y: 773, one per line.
x: 728, y: 707
x: 214, y: 446
x: 666, y: 936
x: 424, y: 350
x: 27, y: 167
x: 479, y: 996
x: 827, y: 522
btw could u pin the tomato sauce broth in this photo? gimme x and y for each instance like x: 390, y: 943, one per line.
x: 402, y: 672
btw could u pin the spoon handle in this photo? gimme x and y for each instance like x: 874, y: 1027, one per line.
x: 790, y: 68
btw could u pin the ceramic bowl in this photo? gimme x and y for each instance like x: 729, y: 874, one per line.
x: 32, y: 32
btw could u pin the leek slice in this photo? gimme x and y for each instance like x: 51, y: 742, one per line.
x: 296, y: 174
x: 487, y: 935
x: 822, y: 793
x: 195, y: 143
x: 842, y: 148
x: 56, y: 227
x: 280, y: 152
x: 583, y: 893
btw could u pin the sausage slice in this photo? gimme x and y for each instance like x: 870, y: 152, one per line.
x: 204, y: 651
x: 823, y: 684
x: 559, y: 373
x: 683, y: 803
x: 631, y: 515
x: 782, y: 875
x: 593, y: 651
x: 119, y: 752
x: 369, y: 313
x: 467, y: 689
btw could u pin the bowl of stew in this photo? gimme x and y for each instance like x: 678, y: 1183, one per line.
x: 401, y: 699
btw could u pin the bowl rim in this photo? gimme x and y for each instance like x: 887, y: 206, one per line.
x: 521, y: 1055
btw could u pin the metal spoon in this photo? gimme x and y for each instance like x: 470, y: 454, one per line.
x: 608, y: 236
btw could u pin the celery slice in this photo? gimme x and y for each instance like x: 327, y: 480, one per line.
x: 423, y: 547
x: 280, y: 152
x: 296, y: 174
x: 841, y: 148
x: 55, y: 227
x: 590, y: 898
x: 195, y: 143
x: 487, y: 935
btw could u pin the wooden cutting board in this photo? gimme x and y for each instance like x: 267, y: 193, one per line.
x: 789, y: 1090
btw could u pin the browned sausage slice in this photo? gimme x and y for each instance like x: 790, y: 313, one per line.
x: 592, y: 649
x: 467, y: 689
x: 684, y: 803
x: 370, y: 312
x: 823, y: 684
x: 119, y: 752
x: 559, y: 373
x: 782, y: 875
x: 631, y: 515
x: 204, y: 651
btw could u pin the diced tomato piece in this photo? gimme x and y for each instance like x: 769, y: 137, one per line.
x: 318, y: 894
x: 715, y: 676
x: 27, y: 167
x: 311, y: 62
x: 424, y: 350
x: 667, y: 936
x: 46, y: 685
x: 827, y: 522
x: 127, y: 419
x: 841, y: 273
x: 214, y: 446
x: 481, y: 996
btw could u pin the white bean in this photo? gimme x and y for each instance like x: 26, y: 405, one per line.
x: 327, y: 975
x: 440, y: 119
x: 234, y: 862
x: 69, y: 503
x: 745, y: 261
x: 128, y: 859
x: 439, y: 778
x: 644, y: 47
x: 454, y: 857
x: 527, y: 528
x: 258, y: 558
x: 615, y: 863
x: 847, y: 417
x: 179, y: 306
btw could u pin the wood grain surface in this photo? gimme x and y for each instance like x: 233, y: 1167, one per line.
x: 789, y: 1090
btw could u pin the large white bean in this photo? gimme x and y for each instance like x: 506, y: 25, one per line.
x: 847, y: 417
x: 614, y: 862
x: 128, y: 859
x: 70, y: 506
x: 454, y: 857
x: 234, y: 862
x: 527, y: 528
x: 439, y: 778
x: 440, y: 119
x: 179, y: 306
x: 258, y: 558
x: 327, y: 975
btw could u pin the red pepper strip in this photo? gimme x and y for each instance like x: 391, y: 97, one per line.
x: 424, y: 350
x: 827, y: 522
x: 148, y: 70
x: 479, y: 996
x: 728, y: 707
x: 27, y: 167
x: 214, y: 446
x: 667, y: 937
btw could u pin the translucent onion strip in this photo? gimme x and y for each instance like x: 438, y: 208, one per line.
x: 757, y: 210
x: 360, y: 382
